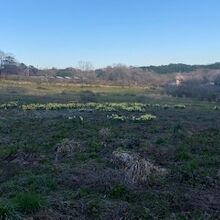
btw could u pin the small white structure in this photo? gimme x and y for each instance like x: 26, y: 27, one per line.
x: 76, y: 77
x: 59, y: 77
x: 67, y: 77
x: 179, y: 80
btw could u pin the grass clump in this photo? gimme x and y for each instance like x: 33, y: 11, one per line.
x: 183, y: 153
x: 28, y: 202
x: 119, y: 191
x: 5, y: 152
x: 7, y: 212
x: 179, y: 106
x: 216, y: 108
x: 117, y: 117
x: 82, y: 192
x: 145, y: 117
x: 9, y: 105
x: 93, y: 209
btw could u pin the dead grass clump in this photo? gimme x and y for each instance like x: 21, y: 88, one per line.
x: 105, y: 133
x: 137, y: 169
x: 67, y: 148
x: 24, y: 159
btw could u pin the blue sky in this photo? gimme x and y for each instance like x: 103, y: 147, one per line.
x: 60, y: 33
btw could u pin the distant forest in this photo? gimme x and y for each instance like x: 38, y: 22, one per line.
x: 114, y: 75
x: 180, y: 68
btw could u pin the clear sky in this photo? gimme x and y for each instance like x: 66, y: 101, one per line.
x: 60, y: 33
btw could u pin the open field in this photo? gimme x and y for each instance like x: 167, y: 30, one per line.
x: 106, y: 152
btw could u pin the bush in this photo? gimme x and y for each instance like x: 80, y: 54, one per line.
x: 88, y: 96
x: 195, y: 90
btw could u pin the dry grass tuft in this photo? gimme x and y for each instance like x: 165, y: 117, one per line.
x: 66, y: 148
x: 137, y: 169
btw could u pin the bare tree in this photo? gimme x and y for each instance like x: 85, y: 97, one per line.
x: 2, y: 58
x: 85, y: 65
x: 6, y: 59
x: 8, y: 64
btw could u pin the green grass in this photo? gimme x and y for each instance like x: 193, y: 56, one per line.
x: 181, y: 135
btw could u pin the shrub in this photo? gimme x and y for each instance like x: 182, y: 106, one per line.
x: 88, y: 96
x: 197, y: 90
